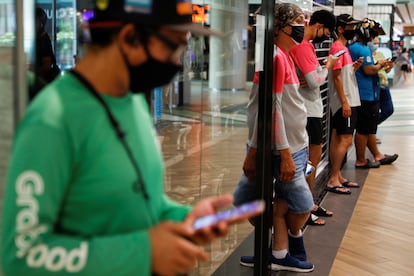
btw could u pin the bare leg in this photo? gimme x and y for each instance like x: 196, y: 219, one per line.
x: 338, y: 148
x: 361, y: 141
x: 373, y: 147
x: 296, y: 222
x: 315, y: 153
x: 280, y: 237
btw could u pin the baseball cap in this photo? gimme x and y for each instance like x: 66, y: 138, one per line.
x: 346, y: 19
x: 174, y: 14
x: 285, y: 13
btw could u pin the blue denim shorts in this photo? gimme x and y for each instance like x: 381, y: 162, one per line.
x: 245, y: 191
x: 296, y: 192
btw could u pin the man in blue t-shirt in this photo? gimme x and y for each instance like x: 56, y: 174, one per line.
x: 368, y: 85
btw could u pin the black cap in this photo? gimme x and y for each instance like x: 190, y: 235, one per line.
x: 174, y: 14
x: 346, y: 19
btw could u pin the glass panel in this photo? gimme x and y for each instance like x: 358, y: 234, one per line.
x: 7, y: 23
x: 7, y: 73
x: 61, y: 28
x: 201, y: 116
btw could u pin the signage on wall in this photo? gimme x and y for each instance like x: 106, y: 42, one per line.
x: 201, y: 14
x: 65, y: 10
x: 344, y: 2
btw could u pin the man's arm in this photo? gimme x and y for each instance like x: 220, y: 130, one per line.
x: 374, y: 68
x: 337, y: 78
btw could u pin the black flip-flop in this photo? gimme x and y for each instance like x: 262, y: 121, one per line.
x: 346, y: 184
x: 312, y: 220
x: 335, y: 189
x: 369, y: 165
x: 321, y: 212
x: 388, y: 159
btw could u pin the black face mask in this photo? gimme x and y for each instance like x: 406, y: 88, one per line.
x: 349, y: 34
x: 298, y: 31
x: 320, y: 39
x: 151, y: 74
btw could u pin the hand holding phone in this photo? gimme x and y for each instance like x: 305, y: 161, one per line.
x: 309, y: 169
x: 339, y: 53
x: 233, y: 215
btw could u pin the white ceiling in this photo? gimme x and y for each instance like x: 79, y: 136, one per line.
x: 404, y: 13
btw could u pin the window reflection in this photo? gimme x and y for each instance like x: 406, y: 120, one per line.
x: 7, y: 23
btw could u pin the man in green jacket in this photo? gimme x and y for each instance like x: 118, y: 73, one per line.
x: 85, y: 190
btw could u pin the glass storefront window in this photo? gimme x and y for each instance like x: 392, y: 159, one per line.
x: 202, y: 123
x: 7, y: 23
x: 201, y: 116
x: 61, y: 28
x: 7, y: 72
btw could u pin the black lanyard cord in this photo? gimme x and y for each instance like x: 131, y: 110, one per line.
x: 139, y: 185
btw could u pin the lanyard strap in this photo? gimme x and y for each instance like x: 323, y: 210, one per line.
x: 139, y: 184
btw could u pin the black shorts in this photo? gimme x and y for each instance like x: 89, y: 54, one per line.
x: 345, y: 125
x: 405, y: 68
x: 368, y: 116
x: 314, y: 129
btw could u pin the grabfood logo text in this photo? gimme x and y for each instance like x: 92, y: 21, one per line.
x: 28, y: 185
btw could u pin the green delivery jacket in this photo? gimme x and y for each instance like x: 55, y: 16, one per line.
x: 70, y: 203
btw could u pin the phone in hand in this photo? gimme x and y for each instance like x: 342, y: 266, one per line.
x: 393, y: 59
x: 233, y: 215
x: 309, y: 169
x: 339, y: 53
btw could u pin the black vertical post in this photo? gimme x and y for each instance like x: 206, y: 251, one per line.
x: 264, y: 145
x: 392, y: 21
x: 54, y: 28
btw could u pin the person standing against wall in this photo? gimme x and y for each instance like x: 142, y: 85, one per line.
x: 369, y: 92
x: 293, y: 199
x: 321, y: 25
x: 386, y: 104
x: 344, y: 102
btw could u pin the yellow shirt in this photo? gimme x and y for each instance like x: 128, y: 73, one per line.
x: 381, y: 73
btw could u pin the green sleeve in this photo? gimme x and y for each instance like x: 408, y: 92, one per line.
x: 38, y: 178
x: 174, y: 211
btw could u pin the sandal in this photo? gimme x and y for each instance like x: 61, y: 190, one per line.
x: 369, y: 165
x: 315, y: 220
x: 336, y: 190
x: 322, y: 212
x: 350, y: 184
x: 388, y: 159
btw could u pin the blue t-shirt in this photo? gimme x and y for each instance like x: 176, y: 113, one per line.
x: 367, y: 84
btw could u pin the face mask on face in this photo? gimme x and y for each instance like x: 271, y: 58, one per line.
x: 320, y: 39
x: 151, y: 74
x: 349, y: 34
x: 372, y: 46
x: 298, y: 31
